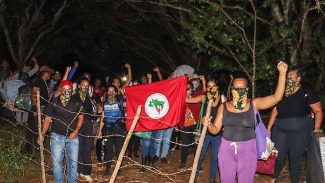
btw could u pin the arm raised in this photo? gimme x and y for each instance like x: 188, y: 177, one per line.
x: 269, y: 101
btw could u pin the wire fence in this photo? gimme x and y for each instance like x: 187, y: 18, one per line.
x: 129, y: 162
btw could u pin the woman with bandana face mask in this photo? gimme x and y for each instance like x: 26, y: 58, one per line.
x: 210, y: 139
x: 110, y: 125
x: 237, y: 152
x: 292, y: 125
x: 85, y: 142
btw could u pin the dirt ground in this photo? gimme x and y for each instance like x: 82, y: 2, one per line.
x: 164, y: 173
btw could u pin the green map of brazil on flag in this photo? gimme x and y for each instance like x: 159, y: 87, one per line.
x: 163, y: 104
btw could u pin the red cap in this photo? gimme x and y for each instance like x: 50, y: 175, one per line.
x: 64, y: 83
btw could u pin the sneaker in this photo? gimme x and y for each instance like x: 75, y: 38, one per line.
x: 87, y: 178
x: 164, y: 160
x: 213, y: 181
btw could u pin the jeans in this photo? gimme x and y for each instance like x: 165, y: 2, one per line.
x: 215, y: 141
x: 163, y: 136
x: 60, y: 144
x: 148, y: 148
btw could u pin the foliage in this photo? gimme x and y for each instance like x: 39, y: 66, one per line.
x: 224, y: 30
x: 25, y: 24
x: 12, y: 163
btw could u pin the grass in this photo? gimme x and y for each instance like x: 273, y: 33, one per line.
x: 15, y: 165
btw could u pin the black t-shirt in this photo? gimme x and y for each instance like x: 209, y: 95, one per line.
x: 43, y: 88
x: 87, y: 127
x: 297, y: 104
x: 64, y: 116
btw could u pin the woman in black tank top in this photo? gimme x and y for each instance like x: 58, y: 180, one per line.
x: 237, y: 152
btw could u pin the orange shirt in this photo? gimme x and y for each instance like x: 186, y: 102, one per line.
x: 189, y: 118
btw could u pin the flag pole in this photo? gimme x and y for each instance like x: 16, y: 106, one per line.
x: 125, y: 145
x: 200, y: 145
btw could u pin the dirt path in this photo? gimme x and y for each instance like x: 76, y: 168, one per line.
x: 168, y: 172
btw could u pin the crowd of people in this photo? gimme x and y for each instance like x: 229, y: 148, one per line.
x: 79, y: 112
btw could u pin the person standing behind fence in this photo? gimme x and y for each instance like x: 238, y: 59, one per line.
x: 85, y: 140
x: 292, y: 124
x: 214, y: 140
x: 237, y: 153
x: 110, y: 126
x: 65, y: 114
x: 189, y: 127
x: 40, y: 83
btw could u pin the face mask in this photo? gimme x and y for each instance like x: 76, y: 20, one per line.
x: 83, y: 93
x: 112, y: 99
x: 65, y: 96
x: 291, y: 86
x: 239, y: 97
x: 212, y: 92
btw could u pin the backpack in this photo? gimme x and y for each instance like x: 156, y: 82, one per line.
x: 23, y: 100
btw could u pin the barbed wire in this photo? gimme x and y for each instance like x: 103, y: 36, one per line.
x: 67, y: 155
x: 89, y: 136
x: 134, y: 163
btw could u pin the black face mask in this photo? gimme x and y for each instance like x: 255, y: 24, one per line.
x: 239, y: 97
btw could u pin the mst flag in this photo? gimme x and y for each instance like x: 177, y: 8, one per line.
x: 163, y: 104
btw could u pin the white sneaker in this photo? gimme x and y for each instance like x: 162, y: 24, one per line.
x: 88, y: 178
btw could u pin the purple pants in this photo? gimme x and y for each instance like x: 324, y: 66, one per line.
x: 237, y: 158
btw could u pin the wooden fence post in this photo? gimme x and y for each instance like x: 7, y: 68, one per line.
x: 125, y: 145
x: 39, y: 116
x: 200, y: 145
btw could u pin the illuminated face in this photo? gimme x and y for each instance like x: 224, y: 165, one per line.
x: 293, y: 76
x: 47, y: 76
x: 239, y: 93
x: 57, y: 76
x: 84, y: 85
x: 116, y: 82
x: 111, y: 91
x: 195, y: 83
x: 240, y: 83
x: 211, y: 84
x: 66, y: 91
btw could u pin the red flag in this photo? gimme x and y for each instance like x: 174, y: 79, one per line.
x: 163, y: 104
